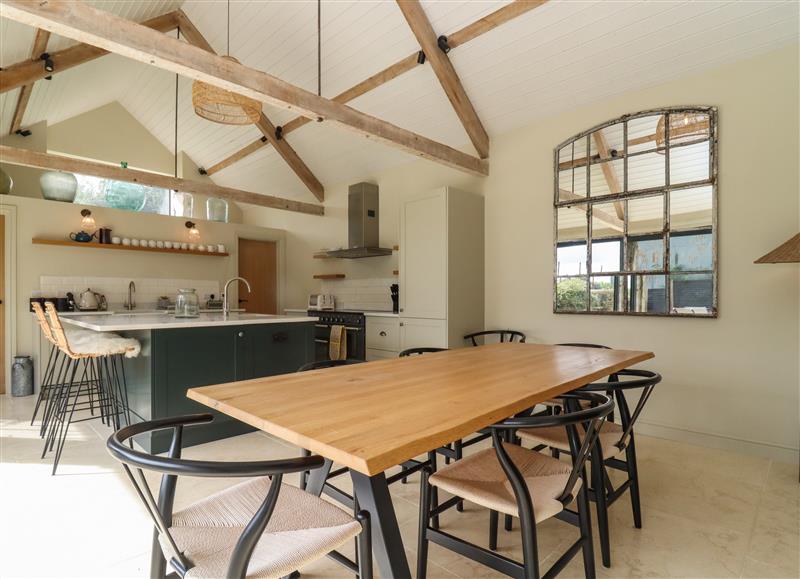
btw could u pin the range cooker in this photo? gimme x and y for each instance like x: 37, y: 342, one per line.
x: 355, y: 328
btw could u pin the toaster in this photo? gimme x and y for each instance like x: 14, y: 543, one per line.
x: 321, y: 302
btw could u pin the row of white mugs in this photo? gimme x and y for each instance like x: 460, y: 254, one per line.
x: 152, y: 243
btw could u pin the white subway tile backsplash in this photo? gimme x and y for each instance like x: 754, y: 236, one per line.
x: 148, y: 290
x: 366, y: 294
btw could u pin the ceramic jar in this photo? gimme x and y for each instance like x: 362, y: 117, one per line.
x: 58, y: 186
x: 22, y: 376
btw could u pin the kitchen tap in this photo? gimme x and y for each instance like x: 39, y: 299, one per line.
x: 225, y: 307
x: 130, y: 304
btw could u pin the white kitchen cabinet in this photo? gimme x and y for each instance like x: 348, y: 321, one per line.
x: 441, y: 268
x: 423, y: 333
x: 383, y: 333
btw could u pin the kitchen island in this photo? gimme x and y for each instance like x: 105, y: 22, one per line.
x: 182, y: 353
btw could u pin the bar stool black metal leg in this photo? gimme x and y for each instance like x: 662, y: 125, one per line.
x: 44, y: 386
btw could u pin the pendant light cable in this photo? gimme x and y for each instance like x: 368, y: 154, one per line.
x: 229, y: 28
x: 319, y: 47
x: 178, y: 36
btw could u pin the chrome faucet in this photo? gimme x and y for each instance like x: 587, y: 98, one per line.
x: 225, y: 307
x: 130, y: 304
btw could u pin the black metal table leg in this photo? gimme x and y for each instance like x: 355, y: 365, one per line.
x: 317, y: 478
x: 387, y: 544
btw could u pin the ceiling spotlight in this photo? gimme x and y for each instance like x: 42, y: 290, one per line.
x: 49, y: 66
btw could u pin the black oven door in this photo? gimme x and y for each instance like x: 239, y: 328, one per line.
x: 356, y: 342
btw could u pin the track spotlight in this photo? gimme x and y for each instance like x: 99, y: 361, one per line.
x: 49, y: 66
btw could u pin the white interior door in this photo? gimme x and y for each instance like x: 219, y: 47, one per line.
x: 423, y: 269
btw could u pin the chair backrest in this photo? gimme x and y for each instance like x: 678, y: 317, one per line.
x: 419, y: 351
x: 581, y: 440
x: 172, y: 466
x: 627, y: 379
x: 583, y: 345
x: 59, y: 335
x: 504, y: 336
x: 327, y: 364
x: 43, y: 323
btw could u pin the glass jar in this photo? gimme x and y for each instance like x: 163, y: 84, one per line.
x: 217, y: 209
x: 186, y: 304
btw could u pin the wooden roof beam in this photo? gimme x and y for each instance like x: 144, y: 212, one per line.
x: 457, y: 38
x: 29, y: 71
x: 39, y: 48
x: 609, y: 173
x: 85, y: 23
x: 195, y: 37
x: 612, y: 221
x: 446, y: 73
x: 27, y: 158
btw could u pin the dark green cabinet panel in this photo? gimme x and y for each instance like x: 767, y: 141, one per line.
x: 187, y: 358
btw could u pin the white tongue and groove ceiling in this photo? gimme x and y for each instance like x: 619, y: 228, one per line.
x: 556, y: 57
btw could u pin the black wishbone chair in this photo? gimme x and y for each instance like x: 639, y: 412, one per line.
x: 523, y: 483
x: 258, y: 528
x: 419, y: 351
x: 503, y: 335
x: 614, y: 440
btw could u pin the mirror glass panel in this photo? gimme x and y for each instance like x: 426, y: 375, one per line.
x: 640, y: 236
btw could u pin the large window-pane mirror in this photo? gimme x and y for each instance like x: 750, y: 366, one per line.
x: 635, y: 207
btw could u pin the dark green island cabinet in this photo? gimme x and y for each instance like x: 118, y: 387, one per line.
x: 174, y: 360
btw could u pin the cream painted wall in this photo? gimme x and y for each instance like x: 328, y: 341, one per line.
x: 731, y: 381
x: 51, y: 219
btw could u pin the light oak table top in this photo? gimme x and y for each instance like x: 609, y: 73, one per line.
x: 374, y: 416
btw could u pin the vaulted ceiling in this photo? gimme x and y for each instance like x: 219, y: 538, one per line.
x: 556, y: 57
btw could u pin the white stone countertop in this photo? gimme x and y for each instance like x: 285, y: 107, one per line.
x: 119, y: 322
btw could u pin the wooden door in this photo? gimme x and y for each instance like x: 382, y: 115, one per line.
x: 258, y: 264
x: 2, y: 304
x: 423, y: 269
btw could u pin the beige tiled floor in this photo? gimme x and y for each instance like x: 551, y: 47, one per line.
x: 707, y: 513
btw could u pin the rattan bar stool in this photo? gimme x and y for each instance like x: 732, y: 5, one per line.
x: 55, y: 363
x: 93, y: 368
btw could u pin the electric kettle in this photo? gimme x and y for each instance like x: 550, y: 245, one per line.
x: 90, y: 300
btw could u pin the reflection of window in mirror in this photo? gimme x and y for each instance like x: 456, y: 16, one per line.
x: 635, y: 207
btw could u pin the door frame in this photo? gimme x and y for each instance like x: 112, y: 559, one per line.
x: 10, y: 265
x: 278, y: 237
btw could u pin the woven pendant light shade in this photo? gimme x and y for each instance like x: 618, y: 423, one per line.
x: 222, y: 106
x: 682, y: 127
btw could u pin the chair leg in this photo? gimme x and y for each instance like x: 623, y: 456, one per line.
x: 424, y: 514
x: 493, y: 524
x: 364, y: 549
x: 434, y: 492
x: 304, y: 474
x: 66, y: 421
x: 44, y: 387
x: 585, y: 523
x: 158, y: 564
x: 459, y: 452
x: 508, y: 523
x: 598, y: 482
x: 633, y: 475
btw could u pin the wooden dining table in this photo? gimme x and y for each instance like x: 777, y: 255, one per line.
x: 374, y: 416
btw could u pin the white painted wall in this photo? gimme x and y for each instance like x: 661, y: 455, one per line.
x: 731, y: 381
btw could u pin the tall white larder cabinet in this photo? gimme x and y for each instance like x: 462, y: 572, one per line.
x: 441, y: 268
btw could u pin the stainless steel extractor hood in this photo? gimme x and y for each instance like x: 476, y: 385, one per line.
x: 362, y: 224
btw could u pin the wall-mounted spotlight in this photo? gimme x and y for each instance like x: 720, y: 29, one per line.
x: 49, y: 65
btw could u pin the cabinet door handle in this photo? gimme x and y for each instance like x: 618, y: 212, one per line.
x: 383, y: 334
x: 401, y: 323
x: 241, y: 334
x: 280, y: 337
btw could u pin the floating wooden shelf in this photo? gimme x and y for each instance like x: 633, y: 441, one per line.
x: 322, y: 255
x: 92, y: 245
x: 329, y: 276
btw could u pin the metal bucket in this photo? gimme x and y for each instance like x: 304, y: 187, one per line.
x: 22, y: 376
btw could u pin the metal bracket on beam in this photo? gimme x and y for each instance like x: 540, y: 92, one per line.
x: 263, y: 139
x: 442, y: 42
x: 202, y: 171
x: 420, y: 57
x: 279, y: 132
x: 23, y: 132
